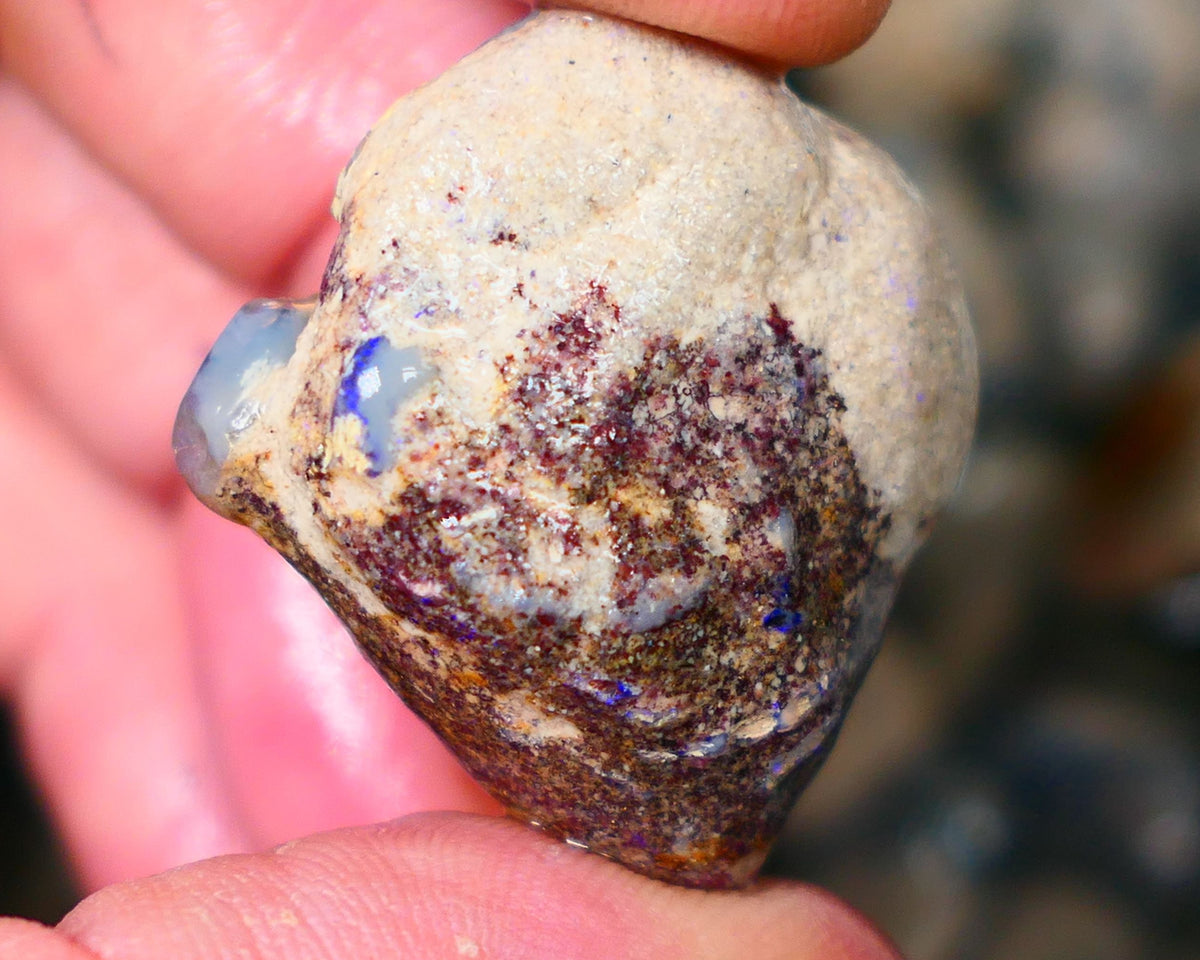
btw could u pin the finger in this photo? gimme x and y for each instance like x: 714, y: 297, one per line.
x: 789, y: 32
x: 313, y: 738
x: 25, y: 940
x: 92, y: 649
x: 102, y: 313
x: 233, y: 119
x: 449, y: 886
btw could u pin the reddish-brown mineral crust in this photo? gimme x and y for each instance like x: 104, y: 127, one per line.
x: 645, y: 723
x: 630, y: 811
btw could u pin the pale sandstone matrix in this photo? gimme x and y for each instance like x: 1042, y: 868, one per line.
x: 632, y: 385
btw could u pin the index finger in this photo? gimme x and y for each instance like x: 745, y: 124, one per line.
x: 233, y: 119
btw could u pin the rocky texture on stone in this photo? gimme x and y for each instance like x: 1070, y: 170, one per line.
x: 632, y: 387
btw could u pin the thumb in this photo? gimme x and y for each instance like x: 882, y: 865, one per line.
x: 792, y: 32
x: 440, y: 886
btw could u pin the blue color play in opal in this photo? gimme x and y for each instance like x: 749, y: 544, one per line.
x: 380, y: 378
x: 260, y: 337
x: 785, y: 621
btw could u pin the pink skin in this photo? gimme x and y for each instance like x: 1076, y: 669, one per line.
x: 179, y: 695
x: 326, y: 733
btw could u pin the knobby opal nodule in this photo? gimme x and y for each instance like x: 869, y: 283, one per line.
x: 632, y: 386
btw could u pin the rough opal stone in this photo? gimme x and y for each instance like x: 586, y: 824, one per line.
x: 632, y: 387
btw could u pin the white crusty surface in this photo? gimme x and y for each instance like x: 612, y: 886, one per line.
x: 697, y: 191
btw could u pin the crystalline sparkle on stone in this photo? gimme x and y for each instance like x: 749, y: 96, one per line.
x: 630, y: 392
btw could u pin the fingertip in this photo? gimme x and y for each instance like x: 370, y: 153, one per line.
x: 453, y: 885
x: 796, y: 921
x: 802, y: 33
x: 580, y: 899
x: 26, y: 940
x: 823, y: 33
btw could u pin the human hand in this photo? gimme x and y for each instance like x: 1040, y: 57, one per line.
x: 181, y: 694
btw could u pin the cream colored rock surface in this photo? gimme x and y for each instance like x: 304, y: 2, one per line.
x: 697, y: 193
x: 632, y: 386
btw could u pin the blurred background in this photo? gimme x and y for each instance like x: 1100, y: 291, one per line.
x: 1020, y: 776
